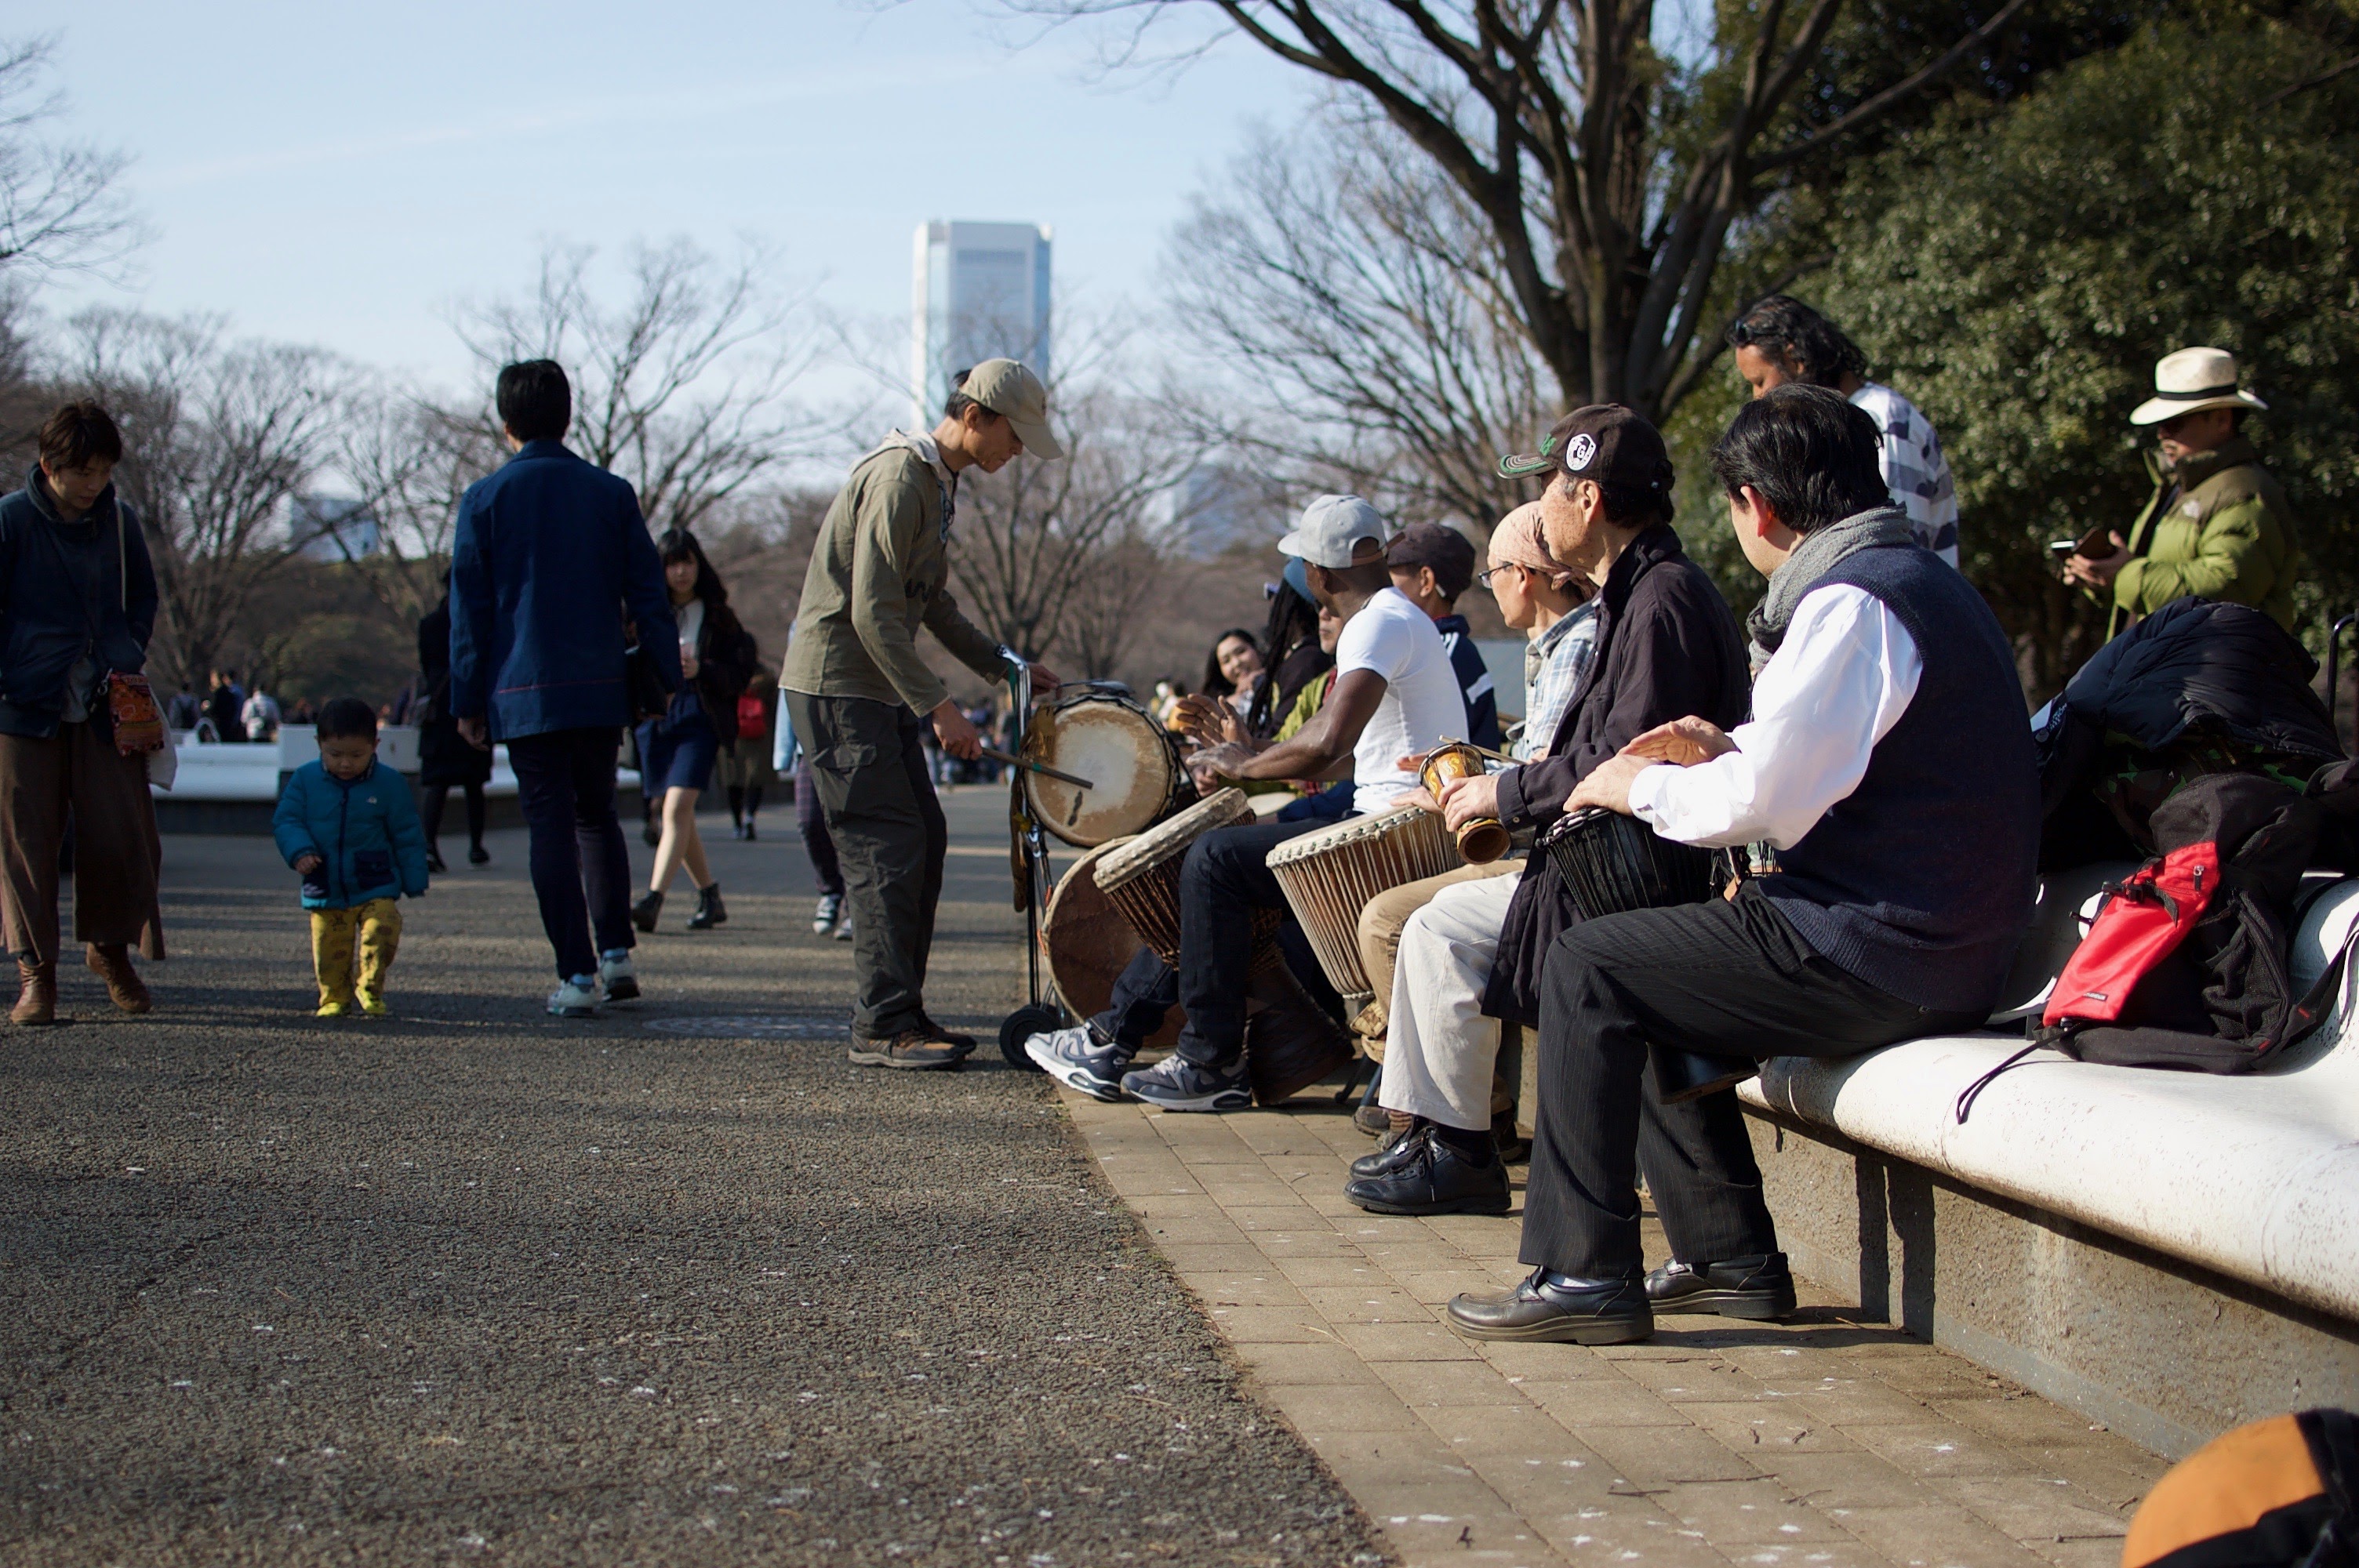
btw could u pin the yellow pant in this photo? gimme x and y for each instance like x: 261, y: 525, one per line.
x: 377, y: 925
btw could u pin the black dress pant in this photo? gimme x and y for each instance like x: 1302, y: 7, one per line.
x: 868, y: 767
x: 580, y: 869
x: 1727, y: 979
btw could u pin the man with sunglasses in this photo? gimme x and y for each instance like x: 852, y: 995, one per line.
x: 2217, y: 525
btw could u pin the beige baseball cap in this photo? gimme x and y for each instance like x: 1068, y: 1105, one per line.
x: 1006, y: 388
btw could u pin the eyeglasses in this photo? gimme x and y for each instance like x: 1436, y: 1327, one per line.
x: 1484, y: 576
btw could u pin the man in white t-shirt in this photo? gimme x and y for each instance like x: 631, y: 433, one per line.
x: 1395, y: 695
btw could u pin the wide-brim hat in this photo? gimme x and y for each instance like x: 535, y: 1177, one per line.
x: 2191, y: 381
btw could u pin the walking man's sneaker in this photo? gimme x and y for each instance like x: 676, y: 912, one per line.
x: 1078, y: 1059
x: 615, y: 973
x: 829, y: 910
x: 1177, y: 1084
x: 844, y: 927
x: 911, y: 1051
x: 1759, y: 1287
x: 1558, y: 1309
x: 577, y: 997
x: 1433, y: 1175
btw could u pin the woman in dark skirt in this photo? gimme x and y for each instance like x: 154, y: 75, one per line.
x: 677, y: 751
x: 445, y: 760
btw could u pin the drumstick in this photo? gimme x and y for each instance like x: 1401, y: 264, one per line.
x: 996, y: 755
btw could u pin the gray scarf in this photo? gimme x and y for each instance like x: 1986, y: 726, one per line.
x: 1820, y: 551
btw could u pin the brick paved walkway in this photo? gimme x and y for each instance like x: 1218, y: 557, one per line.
x: 1827, y: 1441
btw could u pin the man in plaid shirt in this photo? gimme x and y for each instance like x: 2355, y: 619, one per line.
x: 1781, y: 340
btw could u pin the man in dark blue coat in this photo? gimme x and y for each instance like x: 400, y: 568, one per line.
x: 552, y: 559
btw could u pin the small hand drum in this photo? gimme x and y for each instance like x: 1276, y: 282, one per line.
x: 1611, y: 864
x: 1483, y: 839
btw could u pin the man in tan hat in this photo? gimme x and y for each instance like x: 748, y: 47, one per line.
x: 859, y: 692
x: 2217, y: 525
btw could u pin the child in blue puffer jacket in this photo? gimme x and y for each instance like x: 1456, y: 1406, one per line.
x: 351, y: 829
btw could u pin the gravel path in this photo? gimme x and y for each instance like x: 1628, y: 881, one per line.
x: 472, y: 1285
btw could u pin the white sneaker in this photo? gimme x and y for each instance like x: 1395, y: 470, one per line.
x: 844, y: 927
x: 577, y: 997
x: 616, y: 974
x: 829, y: 910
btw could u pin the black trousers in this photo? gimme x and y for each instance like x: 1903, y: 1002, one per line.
x: 868, y: 768
x: 1726, y: 978
x: 1222, y: 883
x: 1148, y: 989
x: 580, y: 869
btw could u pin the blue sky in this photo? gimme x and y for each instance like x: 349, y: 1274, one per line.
x: 344, y: 174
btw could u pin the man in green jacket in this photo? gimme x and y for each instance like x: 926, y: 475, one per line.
x: 855, y: 687
x: 2217, y: 525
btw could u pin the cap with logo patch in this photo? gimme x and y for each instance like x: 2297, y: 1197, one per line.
x: 1603, y: 441
x: 1009, y: 390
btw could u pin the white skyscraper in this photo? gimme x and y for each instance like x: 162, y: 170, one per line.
x: 980, y: 290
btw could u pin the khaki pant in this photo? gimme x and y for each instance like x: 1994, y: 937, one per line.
x: 115, y: 849
x: 376, y: 925
x: 1381, y: 923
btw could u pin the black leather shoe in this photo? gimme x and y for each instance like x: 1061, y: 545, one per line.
x: 1604, y: 1312
x: 1761, y: 1287
x: 647, y: 911
x: 1433, y: 1178
x: 1391, y: 1150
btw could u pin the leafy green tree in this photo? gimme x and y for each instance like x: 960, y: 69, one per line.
x: 2017, y: 271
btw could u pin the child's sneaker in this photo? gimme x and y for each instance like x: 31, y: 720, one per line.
x: 614, y: 972
x: 577, y: 997
x: 334, y: 1010
x: 373, y: 1004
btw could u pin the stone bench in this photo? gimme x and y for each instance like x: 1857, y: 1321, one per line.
x: 2171, y: 1253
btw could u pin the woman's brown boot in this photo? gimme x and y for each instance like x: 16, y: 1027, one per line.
x: 36, y: 1002
x: 111, y: 962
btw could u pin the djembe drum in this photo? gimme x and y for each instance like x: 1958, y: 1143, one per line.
x: 1331, y: 875
x: 1611, y: 864
x: 1290, y: 1043
x: 1132, y: 765
x: 1087, y: 943
x: 1483, y: 838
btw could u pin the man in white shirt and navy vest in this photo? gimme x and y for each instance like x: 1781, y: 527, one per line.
x: 1889, y: 762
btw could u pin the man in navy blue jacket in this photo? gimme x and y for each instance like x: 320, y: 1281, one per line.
x: 551, y: 559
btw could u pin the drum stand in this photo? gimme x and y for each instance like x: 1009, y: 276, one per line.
x: 1028, y: 859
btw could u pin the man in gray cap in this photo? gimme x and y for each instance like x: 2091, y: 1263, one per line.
x: 1395, y: 695
x: 860, y: 693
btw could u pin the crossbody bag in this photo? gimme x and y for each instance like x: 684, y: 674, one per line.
x: 130, y: 700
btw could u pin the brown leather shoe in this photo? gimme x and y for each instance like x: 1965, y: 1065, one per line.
x: 37, y: 1001
x: 911, y: 1051
x: 112, y: 963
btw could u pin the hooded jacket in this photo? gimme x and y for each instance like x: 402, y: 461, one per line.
x: 366, y: 830
x: 68, y: 591
x: 1667, y: 648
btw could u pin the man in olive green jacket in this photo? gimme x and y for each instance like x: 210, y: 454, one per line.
x: 855, y: 684
x: 2217, y: 525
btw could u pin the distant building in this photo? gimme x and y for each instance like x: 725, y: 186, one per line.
x: 980, y: 290
x: 332, y: 528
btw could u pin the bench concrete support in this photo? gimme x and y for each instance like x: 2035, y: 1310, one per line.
x: 2164, y: 1352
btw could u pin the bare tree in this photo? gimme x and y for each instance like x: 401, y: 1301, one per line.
x: 1354, y: 298
x: 408, y: 461
x: 61, y: 204
x: 1028, y: 537
x: 221, y: 437
x: 1607, y: 177
x: 683, y: 388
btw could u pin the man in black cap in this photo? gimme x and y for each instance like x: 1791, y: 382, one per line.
x: 1667, y: 647
x: 1433, y: 567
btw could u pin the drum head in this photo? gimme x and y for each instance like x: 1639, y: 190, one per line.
x: 1114, y: 744
x: 1087, y: 943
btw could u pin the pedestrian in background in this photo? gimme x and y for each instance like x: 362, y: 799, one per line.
x: 445, y: 760
x: 678, y: 751
x: 185, y: 709
x: 548, y: 556
x: 221, y: 704
x: 77, y: 607
x: 348, y: 827
x: 259, y: 714
x: 748, y: 767
x: 1779, y: 339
